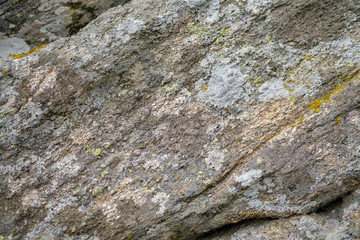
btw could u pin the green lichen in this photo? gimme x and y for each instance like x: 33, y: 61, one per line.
x: 129, y: 235
x: 268, y: 37
x: 170, y: 89
x: 7, y: 112
x: 221, y: 34
x: 197, y: 29
x: 2, y: 137
x: 207, y: 181
x: 148, y: 190
x: 201, y: 175
x: 76, y: 192
x: 97, y: 191
x: 76, y: 118
x: 107, y: 145
x: 255, y: 81
x: 64, y: 118
x: 124, y: 92
x: 97, y: 151
x: 248, y: 45
x: 104, y: 173
x: 70, y: 119
x: 93, y: 151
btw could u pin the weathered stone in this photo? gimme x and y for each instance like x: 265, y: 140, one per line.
x: 338, y: 220
x: 40, y: 22
x: 172, y: 119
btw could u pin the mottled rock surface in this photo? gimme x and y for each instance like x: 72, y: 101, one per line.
x: 181, y: 120
x: 43, y: 21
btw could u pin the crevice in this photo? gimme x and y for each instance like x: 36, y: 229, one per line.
x: 326, y: 208
x: 229, y: 228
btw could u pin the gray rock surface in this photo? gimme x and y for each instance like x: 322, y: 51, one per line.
x: 172, y: 119
x: 338, y: 220
x: 42, y: 21
x: 13, y: 46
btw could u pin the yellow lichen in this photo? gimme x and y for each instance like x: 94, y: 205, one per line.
x: 18, y: 56
x: 337, y: 120
x: 316, y: 104
x: 297, y: 122
x: 204, y: 87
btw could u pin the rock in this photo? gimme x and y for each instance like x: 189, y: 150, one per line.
x: 12, y: 46
x: 175, y: 119
x: 53, y: 19
x: 338, y: 220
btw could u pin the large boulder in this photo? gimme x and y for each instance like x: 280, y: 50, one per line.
x: 172, y: 119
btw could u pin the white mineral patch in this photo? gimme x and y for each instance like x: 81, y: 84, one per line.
x: 31, y: 198
x: 161, y: 199
x: 213, y: 12
x: 215, y: 159
x: 13, y: 46
x: 128, y: 27
x: 66, y: 166
x: 249, y: 177
x: 257, y: 6
x: 224, y: 86
x: 273, y: 89
x: 195, y: 3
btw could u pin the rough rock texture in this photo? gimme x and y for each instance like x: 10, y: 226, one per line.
x: 339, y: 220
x: 172, y: 119
x: 42, y: 21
